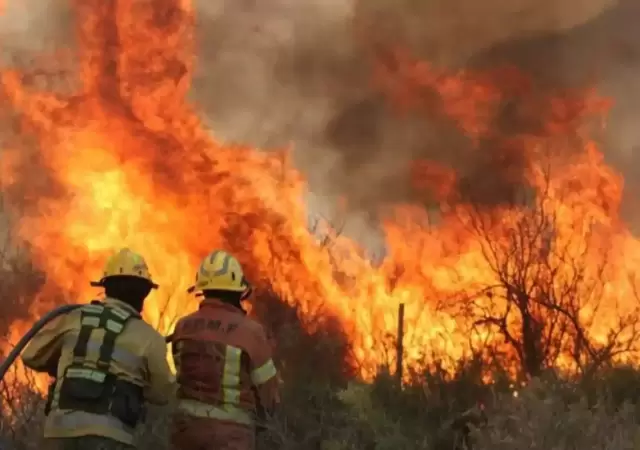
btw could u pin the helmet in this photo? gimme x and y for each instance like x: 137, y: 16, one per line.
x: 222, y: 272
x: 125, y: 263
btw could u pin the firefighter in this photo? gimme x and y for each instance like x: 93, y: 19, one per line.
x: 227, y: 381
x: 106, y: 362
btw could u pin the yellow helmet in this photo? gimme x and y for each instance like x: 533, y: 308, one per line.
x: 221, y: 272
x: 125, y: 263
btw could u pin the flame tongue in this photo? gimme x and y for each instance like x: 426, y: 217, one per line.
x: 129, y: 163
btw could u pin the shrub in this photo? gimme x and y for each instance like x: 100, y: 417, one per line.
x: 548, y: 414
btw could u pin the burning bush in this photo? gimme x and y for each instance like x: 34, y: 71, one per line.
x: 509, y: 251
x: 521, y: 255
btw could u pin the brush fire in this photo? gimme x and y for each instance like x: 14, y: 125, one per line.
x: 544, y: 277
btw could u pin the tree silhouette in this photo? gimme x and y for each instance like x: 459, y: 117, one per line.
x: 550, y: 270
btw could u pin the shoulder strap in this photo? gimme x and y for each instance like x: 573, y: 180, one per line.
x: 112, y: 320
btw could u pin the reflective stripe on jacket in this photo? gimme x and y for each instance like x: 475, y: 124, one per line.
x: 139, y: 357
x: 225, y: 369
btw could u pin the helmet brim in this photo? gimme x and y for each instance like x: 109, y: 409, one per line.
x: 245, y: 292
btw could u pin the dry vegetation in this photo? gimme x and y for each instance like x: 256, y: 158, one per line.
x: 326, y: 408
x: 548, y: 414
x: 329, y: 409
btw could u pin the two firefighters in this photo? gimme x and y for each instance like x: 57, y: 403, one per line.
x: 107, y: 363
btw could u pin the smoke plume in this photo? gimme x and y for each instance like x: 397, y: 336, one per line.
x: 282, y: 72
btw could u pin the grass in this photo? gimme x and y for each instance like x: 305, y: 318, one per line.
x: 546, y: 414
x: 324, y: 407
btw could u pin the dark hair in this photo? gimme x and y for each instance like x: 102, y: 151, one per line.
x: 128, y: 289
x: 230, y: 297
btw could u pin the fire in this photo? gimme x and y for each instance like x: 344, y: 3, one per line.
x: 128, y: 162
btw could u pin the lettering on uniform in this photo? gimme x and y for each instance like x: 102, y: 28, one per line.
x: 213, y: 325
x: 232, y: 327
x: 194, y: 325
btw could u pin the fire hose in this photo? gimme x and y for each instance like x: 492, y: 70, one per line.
x: 22, y: 343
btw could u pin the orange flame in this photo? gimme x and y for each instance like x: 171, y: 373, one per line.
x: 128, y: 162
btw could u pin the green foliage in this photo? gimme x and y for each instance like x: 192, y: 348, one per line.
x: 437, y: 413
x: 619, y: 385
x: 542, y: 418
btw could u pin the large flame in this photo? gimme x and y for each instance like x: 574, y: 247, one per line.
x: 126, y: 161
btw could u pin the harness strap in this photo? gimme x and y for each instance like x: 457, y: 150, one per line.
x: 112, y: 320
x: 89, y: 386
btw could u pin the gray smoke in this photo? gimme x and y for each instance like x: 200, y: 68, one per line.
x: 280, y: 72
x: 285, y: 72
x: 605, y: 52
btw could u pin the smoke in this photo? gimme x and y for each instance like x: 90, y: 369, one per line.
x: 280, y: 72
x: 283, y: 72
x: 29, y: 27
x: 604, y: 52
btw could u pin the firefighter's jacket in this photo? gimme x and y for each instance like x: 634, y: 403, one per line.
x: 224, y: 365
x: 138, y: 358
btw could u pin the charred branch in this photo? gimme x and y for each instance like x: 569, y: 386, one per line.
x: 549, y: 286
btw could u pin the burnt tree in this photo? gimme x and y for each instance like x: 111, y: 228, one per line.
x: 548, y: 257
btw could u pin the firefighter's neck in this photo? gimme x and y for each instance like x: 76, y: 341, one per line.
x: 216, y: 301
x: 134, y: 305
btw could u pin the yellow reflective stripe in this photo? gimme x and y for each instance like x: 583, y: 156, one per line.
x: 86, y: 373
x: 121, y: 313
x: 91, y: 321
x: 114, y: 326
x: 119, y: 355
x: 231, y: 376
x: 264, y: 373
x: 229, y: 413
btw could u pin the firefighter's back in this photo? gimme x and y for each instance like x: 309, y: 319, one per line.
x: 214, y: 351
x: 225, y: 373
x: 103, y: 376
x: 106, y: 361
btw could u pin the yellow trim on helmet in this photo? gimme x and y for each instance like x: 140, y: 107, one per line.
x: 222, y: 272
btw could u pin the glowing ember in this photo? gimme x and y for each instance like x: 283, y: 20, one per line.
x: 128, y: 162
